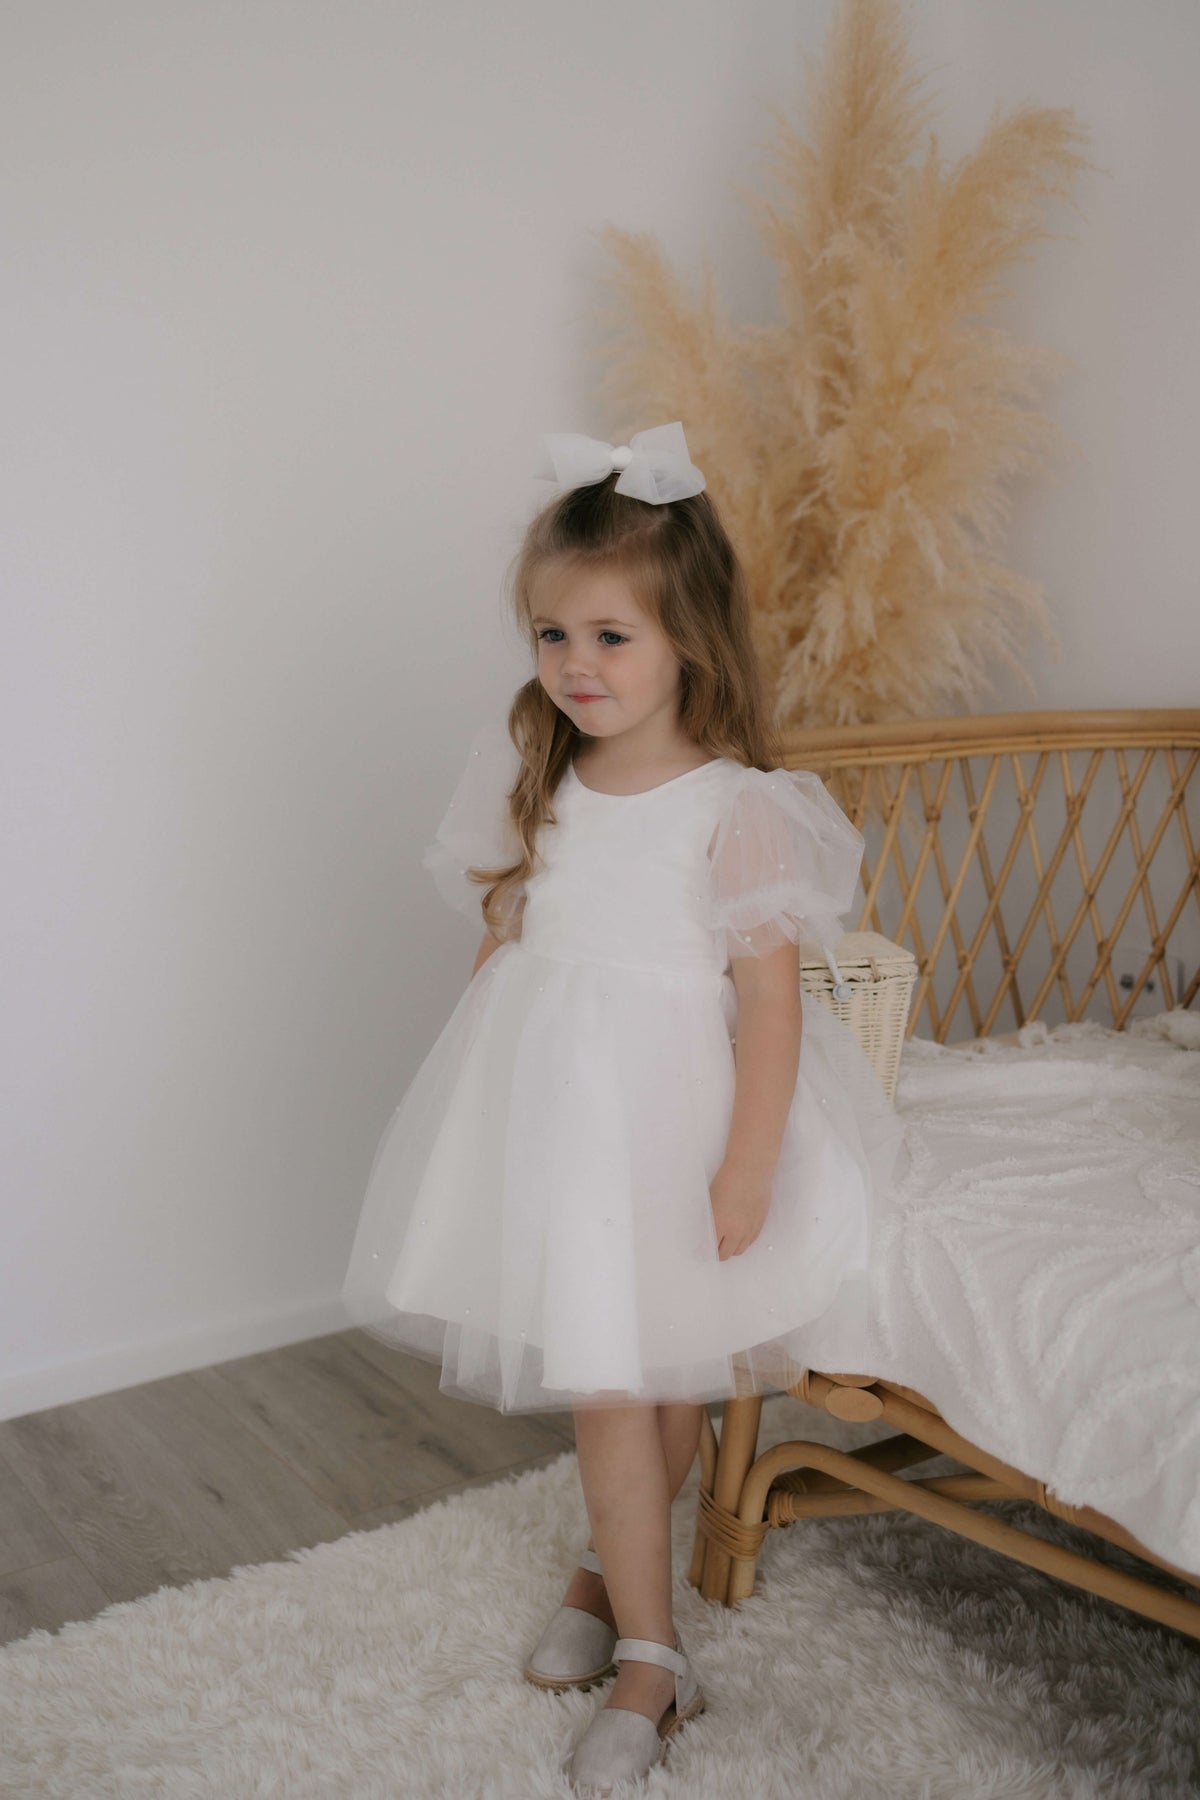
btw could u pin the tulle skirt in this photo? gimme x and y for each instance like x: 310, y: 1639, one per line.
x: 537, y: 1219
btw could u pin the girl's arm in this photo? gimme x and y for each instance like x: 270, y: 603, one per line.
x: 488, y: 943
x: 767, y: 1062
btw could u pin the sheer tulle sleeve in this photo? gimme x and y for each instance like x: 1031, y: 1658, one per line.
x: 784, y: 863
x: 475, y: 829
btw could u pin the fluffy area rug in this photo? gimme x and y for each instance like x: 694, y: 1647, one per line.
x: 878, y: 1657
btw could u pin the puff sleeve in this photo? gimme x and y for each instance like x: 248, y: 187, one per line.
x: 784, y: 863
x: 475, y: 830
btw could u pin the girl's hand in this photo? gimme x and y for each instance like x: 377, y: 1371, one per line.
x: 741, y: 1199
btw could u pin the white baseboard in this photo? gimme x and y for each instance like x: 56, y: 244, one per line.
x: 108, y: 1370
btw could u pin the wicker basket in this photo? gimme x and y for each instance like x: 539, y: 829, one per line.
x: 868, y: 984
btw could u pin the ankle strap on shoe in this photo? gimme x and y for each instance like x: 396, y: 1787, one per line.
x: 647, y: 1650
x: 589, y: 1560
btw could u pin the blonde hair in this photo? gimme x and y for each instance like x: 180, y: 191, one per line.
x: 684, y: 573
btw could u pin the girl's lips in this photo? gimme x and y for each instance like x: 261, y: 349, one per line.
x: 586, y: 696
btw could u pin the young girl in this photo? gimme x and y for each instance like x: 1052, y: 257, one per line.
x: 628, y: 1173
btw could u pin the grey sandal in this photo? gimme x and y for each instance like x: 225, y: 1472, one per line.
x: 621, y: 1743
x: 576, y: 1648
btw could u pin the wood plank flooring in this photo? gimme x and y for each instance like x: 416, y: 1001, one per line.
x: 186, y: 1478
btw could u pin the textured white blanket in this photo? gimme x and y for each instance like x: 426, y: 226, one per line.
x: 1036, y: 1271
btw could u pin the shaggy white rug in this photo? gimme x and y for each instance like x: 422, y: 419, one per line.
x: 879, y: 1657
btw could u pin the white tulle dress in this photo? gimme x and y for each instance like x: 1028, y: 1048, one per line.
x: 537, y: 1218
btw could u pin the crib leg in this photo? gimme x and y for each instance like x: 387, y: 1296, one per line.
x: 739, y: 1441
x: 708, y: 1470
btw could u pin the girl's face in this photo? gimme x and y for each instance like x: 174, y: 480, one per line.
x: 602, y: 659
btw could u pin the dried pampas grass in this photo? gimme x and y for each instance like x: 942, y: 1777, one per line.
x: 860, y: 451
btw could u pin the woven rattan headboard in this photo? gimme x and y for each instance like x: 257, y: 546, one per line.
x: 1044, y: 858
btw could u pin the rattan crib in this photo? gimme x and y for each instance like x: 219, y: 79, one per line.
x: 952, y: 785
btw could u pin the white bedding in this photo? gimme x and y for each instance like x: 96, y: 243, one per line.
x: 1036, y: 1271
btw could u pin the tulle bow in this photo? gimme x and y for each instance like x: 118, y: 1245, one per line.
x: 654, y: 464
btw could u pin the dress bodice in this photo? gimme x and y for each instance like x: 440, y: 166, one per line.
x: 623, y: 878
x: 724, y: 861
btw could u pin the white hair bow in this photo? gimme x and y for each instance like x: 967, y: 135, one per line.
x: 654, y: 464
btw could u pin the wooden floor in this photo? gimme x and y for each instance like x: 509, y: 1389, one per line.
x: 185, y: 1478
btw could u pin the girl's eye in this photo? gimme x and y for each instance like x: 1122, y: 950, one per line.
x: 553, y: 631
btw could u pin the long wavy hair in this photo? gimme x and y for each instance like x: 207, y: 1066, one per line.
x: 683, y: 572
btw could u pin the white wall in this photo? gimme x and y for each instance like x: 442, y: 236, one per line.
x: 288, y: 294
x: 1108, y: 535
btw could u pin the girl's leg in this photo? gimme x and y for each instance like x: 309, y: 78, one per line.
x: 679, y: 1425
x: 626, y: 1485
x: 679, y: 1428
